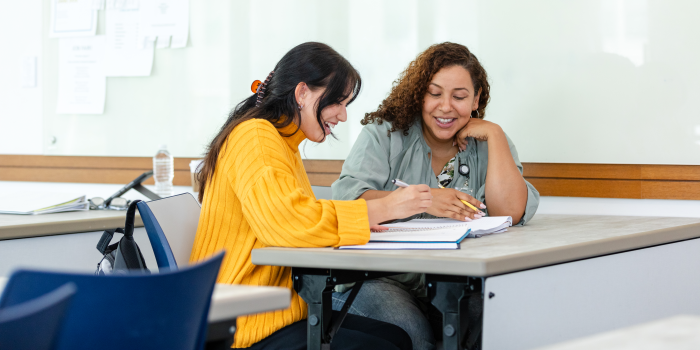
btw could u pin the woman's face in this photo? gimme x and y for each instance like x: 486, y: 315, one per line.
x: 331, y: 115
x: 448, y: 103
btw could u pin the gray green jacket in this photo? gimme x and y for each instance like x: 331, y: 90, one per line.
x: 376, y: 159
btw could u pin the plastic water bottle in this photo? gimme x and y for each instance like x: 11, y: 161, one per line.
x: 163, y: 172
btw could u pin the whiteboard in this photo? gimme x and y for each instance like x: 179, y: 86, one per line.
x: 580, y: 81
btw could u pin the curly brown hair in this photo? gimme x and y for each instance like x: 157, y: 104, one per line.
x: 405, y: 101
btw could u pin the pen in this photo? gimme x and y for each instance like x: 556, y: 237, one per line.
x: 465, y: 202
x: 399, y: 183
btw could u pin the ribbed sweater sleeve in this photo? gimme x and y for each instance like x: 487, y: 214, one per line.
x: 274, y: 203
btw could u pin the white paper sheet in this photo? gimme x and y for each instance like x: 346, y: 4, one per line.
x: 81, y: 78
x: 71, y: 18
x: 166, y: 22
x: 124, y: 57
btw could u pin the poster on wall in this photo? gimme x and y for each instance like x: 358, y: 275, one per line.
x: 124, y: 56
x: 82, y: 84
x: 70, y: 18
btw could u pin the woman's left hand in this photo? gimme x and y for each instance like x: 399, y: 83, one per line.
x: 477, y: 128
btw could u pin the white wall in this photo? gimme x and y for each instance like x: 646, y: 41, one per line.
x: 20, y: 107
x: 609, y: 81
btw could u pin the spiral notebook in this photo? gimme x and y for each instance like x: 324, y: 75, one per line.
x: 433, y: 233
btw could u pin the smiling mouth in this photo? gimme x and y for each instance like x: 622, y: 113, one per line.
x: 328, y: 126
x: 445, y: 122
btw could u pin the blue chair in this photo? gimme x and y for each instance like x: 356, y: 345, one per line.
x: 171, y: 225
x: 132, y: 311
x: 33, y: 325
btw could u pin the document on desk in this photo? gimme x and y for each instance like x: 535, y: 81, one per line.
x: 71, y: 18
x: 82, y: 84
x: 22, y: 203
x: 433, y: 233
x: 124, y: 55
x: 165, y: 22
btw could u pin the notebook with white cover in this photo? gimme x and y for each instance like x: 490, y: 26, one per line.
x: 434, y: 227
x: 433, y: 233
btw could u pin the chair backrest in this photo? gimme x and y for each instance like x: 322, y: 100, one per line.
x: 171, y: 224
x: 34, y: 324
x: 131, y: 311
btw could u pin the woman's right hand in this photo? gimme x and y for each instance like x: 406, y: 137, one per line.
x: 409, y: 201
x: 447, y: 203
x: 399, y: 204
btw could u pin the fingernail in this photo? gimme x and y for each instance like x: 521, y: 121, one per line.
x: 466, y: 218
x: 482, y: 206
x: 477, y: 216
x: 482, y: 213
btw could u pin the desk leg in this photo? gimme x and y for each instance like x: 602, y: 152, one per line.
x: 452, y: 296
x: 315, y: 286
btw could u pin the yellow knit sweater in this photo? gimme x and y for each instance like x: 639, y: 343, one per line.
x: 260, y: 196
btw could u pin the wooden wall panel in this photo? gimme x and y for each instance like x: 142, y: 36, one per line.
x: 550, y: 179
x: 671, y: 172
x: 582, y: 171
x: 587, y: 187
x: 671, y: 189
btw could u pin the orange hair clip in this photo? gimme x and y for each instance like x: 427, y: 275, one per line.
x: 254, y: 87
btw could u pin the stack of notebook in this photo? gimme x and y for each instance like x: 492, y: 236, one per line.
x: 433, y: 233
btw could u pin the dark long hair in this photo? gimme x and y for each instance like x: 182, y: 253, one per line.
x: 317, y: 65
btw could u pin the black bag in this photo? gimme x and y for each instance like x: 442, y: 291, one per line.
x: 125, y: 255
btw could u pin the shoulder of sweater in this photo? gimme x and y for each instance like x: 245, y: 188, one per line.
x: 260, y: 125
x: 254, y: 138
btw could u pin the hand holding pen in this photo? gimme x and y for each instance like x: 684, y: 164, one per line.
x: 450, y: 203
x: 410, y: 200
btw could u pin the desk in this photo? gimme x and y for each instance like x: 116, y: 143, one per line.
x: 558, y: 278
x: 25, y: 226
x: 677, y: 333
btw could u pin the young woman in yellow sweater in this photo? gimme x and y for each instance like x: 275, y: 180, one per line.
x: 255, y: 193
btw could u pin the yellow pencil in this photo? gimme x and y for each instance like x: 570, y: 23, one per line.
x: 465, y: 202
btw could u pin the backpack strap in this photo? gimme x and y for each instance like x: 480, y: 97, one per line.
x: 103, y: 245
x: 130, y: 214
x: 129, y: 255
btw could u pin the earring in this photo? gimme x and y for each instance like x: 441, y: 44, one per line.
x: 300, y: 106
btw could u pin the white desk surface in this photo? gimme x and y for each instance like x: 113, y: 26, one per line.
x: 546, y: 240
x: 229, y: 301
x: 23, y: 226
x: 677, y: 333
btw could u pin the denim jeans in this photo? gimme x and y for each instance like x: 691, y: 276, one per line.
x: 389, y: 303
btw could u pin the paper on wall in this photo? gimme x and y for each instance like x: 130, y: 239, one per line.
x: 123, y: 4
x: 72, y: 18
x: 124, y: 57
x: 164, y: 21
x: 81, y: 79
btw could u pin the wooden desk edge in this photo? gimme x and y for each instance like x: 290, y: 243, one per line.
x: 485, y: 267
x: 64, y: 227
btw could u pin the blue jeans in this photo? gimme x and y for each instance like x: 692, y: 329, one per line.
x: 388, y: 303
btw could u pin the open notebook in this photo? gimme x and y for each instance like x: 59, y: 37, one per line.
x: 433, y: 233
x: 41, y: 203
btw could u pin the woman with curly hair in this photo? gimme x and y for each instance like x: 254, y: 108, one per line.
x: 431, y: 130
